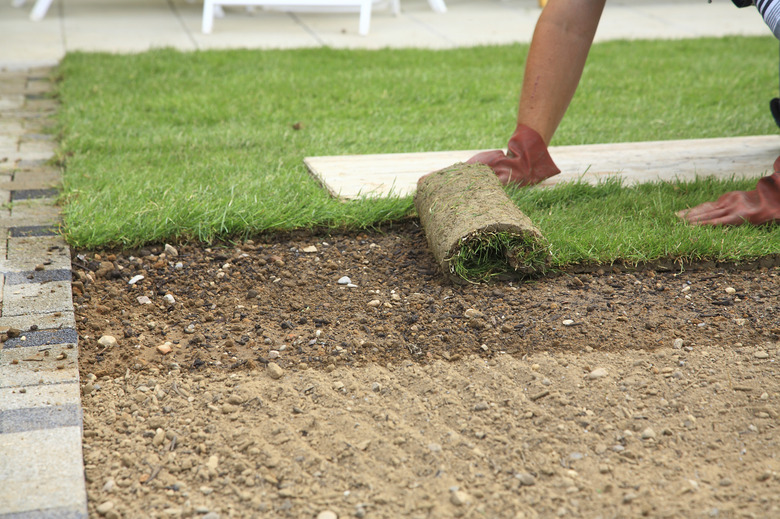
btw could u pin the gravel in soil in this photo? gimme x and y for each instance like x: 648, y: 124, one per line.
x: 343, y: 376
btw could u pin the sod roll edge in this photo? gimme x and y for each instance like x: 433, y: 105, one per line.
x: 476, y: 233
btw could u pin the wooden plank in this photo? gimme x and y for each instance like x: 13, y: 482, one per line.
x: 353, y: 176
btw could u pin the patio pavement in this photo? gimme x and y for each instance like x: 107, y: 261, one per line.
x: 139, y: 25
x: 40, y: 409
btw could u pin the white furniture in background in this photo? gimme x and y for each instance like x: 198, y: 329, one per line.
x: 211, y: 8
x: 39, y: 9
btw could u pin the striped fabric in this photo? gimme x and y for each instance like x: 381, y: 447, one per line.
x: 769, y: 9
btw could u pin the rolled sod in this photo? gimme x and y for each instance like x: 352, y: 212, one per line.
x: 476, y: 233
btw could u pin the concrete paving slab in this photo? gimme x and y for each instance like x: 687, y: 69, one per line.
x: 11, y: 128
x: 25, y: 253
x: 123, y: 26
x: 388, y: 31
x: 36, y: 298
x: 47, y: 321
x: 139, y: 25
x: 40, y: 397
x: 11, y: 102
x: 40, y: 408
x: 383, y: 174
x: 58, y: 474
x: 32, y: 212
x: 33, y: 368
x: 239, y: 29
x: 36, y: 150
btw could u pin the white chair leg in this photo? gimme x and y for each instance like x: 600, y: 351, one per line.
x: 208, y: 16
x: 395, y: 7
x: 39, y: 10
x: 438, y: 6
x: 365, y: 17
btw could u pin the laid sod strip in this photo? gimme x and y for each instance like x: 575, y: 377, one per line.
x: 476, y: 233
x: 171, y: 146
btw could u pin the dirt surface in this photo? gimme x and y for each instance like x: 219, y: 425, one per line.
x: 245, y: 381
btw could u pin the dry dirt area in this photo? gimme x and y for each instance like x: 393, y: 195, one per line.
x: 250, y: 381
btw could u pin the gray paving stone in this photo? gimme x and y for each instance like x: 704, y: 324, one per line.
x: 37, y: 276
x: 30, y: 231
x: 34, y: 339
x: 37, y: 418
x: 32, y: 194
x: 37, y: 298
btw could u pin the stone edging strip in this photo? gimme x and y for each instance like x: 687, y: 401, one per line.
x: 41, y: 463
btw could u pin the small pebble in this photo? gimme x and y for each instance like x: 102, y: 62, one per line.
x: 597, y: 373
x: 143, y: 300
x: 761, y: 354
x: 648, y: 434
x: 327, y: 514
x: 107, y: 341
x: 275, y: 371
x: 471, y: 313
x: 677, y: 344
x: 344, y: 280
x: 526, y: 479
x: 460, y: 498
x: 568, y: 322
x: 135, y: 279
x: 310, y: 249
x: 169, y: 299
x: 103, y: 508
x: 171, y: 251
x: 165, y: 348
x: 731, y: 290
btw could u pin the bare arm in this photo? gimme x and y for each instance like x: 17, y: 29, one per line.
x: 559, y: 48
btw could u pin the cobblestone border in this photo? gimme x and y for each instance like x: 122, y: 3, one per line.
x: 41, y: 463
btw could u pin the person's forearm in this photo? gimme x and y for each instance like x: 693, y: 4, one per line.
x: 559, y: 48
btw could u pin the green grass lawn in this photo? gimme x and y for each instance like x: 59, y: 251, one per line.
x: 170, y: 146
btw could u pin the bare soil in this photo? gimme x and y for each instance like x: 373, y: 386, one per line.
x: 247, y: 382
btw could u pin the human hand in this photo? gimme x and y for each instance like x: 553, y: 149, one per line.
x: 756, y: 207
x: 526, y: 161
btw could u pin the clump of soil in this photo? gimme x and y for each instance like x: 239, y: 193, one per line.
x: 255, y: 380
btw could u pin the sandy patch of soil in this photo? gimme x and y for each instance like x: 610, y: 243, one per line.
x: 286, y: 394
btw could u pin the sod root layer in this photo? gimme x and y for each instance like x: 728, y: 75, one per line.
x: 246, y: 381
